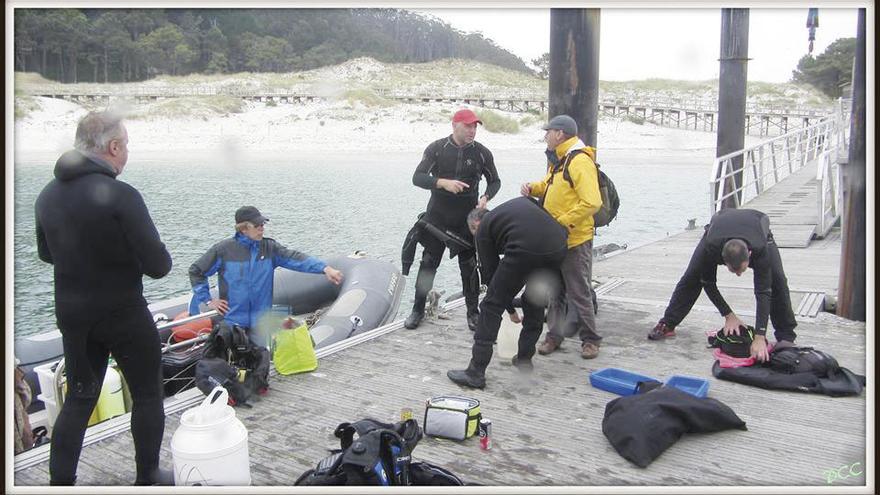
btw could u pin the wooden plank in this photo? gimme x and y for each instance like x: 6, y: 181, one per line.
x: 793, y: 236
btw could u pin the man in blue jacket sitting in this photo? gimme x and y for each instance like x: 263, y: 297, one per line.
x: 245, y: 267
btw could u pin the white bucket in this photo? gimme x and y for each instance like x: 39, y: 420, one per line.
x: 210, y: 447
x: 508, y: 338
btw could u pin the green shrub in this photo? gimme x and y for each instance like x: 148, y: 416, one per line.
x: 367, y: 97
x: 494, y: 122
x: 24, y: 105
x: 190, y: 106
x: 532, y: 118
x: 635, y: 119
x: 271, y: 103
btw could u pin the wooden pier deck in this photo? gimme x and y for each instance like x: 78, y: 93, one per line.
x: 548, y: 425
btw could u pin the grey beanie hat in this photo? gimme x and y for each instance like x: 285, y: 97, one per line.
x: 563, y: 122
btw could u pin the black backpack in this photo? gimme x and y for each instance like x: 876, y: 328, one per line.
x: 379, y: 455
x: 610, y: 199
x: 739, y: 346
x: 803, y: 360
x: 228, y: 353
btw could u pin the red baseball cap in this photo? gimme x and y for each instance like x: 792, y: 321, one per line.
x: 466, y: 116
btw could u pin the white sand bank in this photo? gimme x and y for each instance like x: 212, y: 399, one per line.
x: 320, y: 126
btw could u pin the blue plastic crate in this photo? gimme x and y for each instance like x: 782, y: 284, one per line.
x: 618, y: 381
x: 697, y: 387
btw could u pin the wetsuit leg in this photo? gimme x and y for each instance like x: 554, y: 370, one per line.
x: 470, y: 280
x: 508, y: 280
x: 85, y: 361
x: 134, y: 343
x: 688, y: 289
x: 781, y: 314
x: 431, y: 256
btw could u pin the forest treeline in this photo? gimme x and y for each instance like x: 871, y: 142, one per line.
x: 121, y: 45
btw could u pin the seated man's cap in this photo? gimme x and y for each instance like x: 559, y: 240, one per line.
x: 466, y: 116
x: 563, y: 122
x: 250, y: 214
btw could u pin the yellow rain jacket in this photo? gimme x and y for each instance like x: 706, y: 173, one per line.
x: 573, y: 207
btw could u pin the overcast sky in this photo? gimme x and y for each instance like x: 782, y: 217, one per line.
x: 665, y: 43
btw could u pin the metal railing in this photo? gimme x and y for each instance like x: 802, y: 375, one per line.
x: 768, y: 163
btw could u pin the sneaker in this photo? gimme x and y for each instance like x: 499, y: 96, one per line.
x: 472, y: 320
x: 413, y: 320
x: 465, y: 379
x: 589, y: 350
x: 547, y: 347
x: 661, y: 331
x: 524, y: 365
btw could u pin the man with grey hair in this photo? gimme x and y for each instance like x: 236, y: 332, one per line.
x: 98, y: 234
x: 570, y: 193
x: 738, y: 239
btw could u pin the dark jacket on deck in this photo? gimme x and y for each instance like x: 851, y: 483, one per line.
x: 98, y: 234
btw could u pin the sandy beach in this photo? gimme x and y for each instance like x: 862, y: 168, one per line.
x: 319, y: 126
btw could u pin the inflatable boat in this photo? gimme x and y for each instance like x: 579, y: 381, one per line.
x: 367, y: 298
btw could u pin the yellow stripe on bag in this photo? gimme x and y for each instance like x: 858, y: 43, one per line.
x: 294, y: 351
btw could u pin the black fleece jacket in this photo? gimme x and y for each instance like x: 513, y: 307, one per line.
x: 442, y: 159
x: 753, y: 227
x: 514, y: 228
x: 98, y: 234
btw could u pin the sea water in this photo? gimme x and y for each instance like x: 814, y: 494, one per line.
x: 332, y: 203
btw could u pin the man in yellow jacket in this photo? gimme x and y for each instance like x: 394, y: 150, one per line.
x: 570, y: 193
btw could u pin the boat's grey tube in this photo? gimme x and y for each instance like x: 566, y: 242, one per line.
x: 367, y: 298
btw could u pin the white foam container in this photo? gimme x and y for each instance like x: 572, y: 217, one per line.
x: 46, y: 377
x: 52, y: 410
x: 210, y: 447
x: 508, y: 338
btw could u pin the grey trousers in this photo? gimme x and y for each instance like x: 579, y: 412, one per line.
x: 571, y: 312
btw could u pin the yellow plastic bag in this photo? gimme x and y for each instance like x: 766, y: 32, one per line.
x: 294, y: 351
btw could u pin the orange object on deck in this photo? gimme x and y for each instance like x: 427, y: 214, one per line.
x: 190, y: 330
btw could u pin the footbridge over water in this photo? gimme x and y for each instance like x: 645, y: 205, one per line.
x: 683, y: 113
x: 794, y: 178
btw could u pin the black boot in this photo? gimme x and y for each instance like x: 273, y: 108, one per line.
x: 524, y: 365
x: 467, y: 378
x: 414, y: 319
x: 155, y: 477
x: 57, y: 482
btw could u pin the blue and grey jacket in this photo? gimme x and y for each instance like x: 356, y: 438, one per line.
x: 245, y: 270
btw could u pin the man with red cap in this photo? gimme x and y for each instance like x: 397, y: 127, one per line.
x: 451, y: 169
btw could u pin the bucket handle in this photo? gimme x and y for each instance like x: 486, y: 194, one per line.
x: 214, y: 403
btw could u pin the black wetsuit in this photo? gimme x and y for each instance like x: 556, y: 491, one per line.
x: 447, y: 211
x: 771, y: 286
x: 99, y: 236
x: 532, y: 243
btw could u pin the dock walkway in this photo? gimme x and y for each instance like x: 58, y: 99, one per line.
x: 548, y: 425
